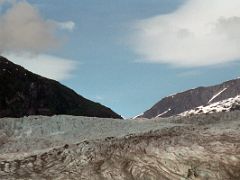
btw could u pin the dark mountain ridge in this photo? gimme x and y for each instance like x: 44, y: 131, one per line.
x: 190, y: 99
x: 24, y: 93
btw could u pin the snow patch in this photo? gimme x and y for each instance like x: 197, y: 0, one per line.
x: 165, y: 112
x: 137, y: 116
x: 216, y: 95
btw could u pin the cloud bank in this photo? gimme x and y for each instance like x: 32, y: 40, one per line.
x: 199, y: 33
x: 25, y: 37
x: 23, y: 29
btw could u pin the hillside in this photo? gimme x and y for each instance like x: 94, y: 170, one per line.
x: 194, y: 98
x: 24, y: 93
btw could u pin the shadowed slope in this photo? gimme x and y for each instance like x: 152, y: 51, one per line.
x: 24, y: 93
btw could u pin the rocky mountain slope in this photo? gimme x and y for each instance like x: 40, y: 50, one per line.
x: 24, y: 93
x: 194, y: 98
x: 202, y: 147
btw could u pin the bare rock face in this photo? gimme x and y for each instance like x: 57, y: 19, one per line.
x: 24, y: 93
x: 193, y: 98
x: 200, y: 147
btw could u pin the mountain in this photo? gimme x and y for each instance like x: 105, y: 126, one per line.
x: 222, y: 97
x: 24, y: 93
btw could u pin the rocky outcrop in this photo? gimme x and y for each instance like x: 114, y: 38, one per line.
x: 23, y: 93
x: 198, y: 147
x: 191, y: 99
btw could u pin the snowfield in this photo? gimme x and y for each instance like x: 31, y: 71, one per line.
x: 221, y: 106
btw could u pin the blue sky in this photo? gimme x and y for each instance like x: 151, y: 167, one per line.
x: 110, y: 69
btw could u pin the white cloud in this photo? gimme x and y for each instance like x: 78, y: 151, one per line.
x: 25, y: 37
x: 68, y: 25
x: 23, y: 29
x: 45, y: 65
x: 199, y: 33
